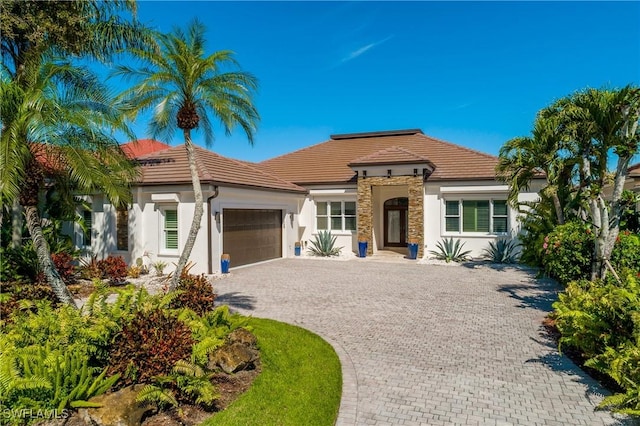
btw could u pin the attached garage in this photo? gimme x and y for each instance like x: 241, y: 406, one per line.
x: 251, y: 235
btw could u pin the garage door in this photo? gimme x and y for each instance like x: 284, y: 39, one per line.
x: 251, y: 235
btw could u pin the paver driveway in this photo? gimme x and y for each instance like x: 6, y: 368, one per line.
x: 427, y: 344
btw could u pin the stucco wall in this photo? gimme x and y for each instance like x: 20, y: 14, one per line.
x: 307, y: 230
x: 437, y: 192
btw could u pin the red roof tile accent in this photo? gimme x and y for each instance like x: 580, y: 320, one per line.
x: 393, y: 155
x: 142, y: 147
x: 328, y: 162
x: 170, y: 166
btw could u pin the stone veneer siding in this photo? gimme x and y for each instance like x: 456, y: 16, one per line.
x: 416, y: 207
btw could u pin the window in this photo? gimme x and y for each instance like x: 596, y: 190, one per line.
x: 476, y: 216
x: 336, y: 216
x: 452, y: 216
x: 86, y: 232
x: 122, y: 228
x: 170, y: 229
x: 500, y: 216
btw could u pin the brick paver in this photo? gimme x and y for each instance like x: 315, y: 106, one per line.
x: 427, y: 344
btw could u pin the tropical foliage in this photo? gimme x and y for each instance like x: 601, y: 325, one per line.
x: 602, y: 318
x: 450, y: 250
x: 57, y: 117
x: 59, y: 357
x: 572, y: 144
x: 324, y: 245
x: 189, y: 89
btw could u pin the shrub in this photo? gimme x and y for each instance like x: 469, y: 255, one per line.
x: 502, y: 251
x: 626, y: 252
x: 42, y: 378
x: 196, y: 293
x: 159, y: 266
x: 324, y: 245
x: 149, y: 346
x: 90, y: 269
x: 450, y: 250
x: 567, y: 252
x: 602, y: 319
x: 134, y: 271
x: 64, y: 264
x: 113, y: 268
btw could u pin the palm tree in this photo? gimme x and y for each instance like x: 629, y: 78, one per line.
x: 524, y: 158
x: 600, y: 123
x: 58, y: 129
x: 187, y: 89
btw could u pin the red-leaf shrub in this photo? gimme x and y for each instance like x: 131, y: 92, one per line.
x: 63, y: 263
x: 197, y: 294
x: 149, y: 346
x: 114, y: 268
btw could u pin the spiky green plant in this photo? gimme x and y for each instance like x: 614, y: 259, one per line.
x: 450, y: 250
x: 325, y: 245
x: 502, y: 250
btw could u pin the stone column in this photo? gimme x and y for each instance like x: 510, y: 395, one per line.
x: 416, y: 212
x: 365, y: 213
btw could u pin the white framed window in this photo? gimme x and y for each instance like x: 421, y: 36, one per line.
x: 482, y: 216
x: 337, y: 216
x: 169, y: 225
x: 87, y: 218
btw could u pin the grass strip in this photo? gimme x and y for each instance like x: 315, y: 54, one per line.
x: 300, y: 383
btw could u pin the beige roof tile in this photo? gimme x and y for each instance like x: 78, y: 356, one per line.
x: 328, y: 162
x: 634, y: 171
x: 171, y: 166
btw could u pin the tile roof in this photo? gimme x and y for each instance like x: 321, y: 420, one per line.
x: 141, y: 147
x: 393, y: 155
x: 328, y: 162
x: 634, y: 171
x: 170, y: 166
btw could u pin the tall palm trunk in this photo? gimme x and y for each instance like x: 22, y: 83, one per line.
x: 197, y: 213
x: 44, y: 257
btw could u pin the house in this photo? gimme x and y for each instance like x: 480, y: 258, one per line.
x: 386, y: 188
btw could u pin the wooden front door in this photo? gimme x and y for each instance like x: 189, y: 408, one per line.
x: 396, y: 215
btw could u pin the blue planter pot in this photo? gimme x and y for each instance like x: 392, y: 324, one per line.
x: 362, y: 248
x: 297, y: 251
x: 413, y: 250
x: 224, y: 265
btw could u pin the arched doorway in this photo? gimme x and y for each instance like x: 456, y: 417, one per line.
x: 395, y: 222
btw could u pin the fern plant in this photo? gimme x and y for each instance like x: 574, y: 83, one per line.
x: 450, y: 251
x: 45, y: 378
x: 502, y: 251
x: 325, y: 245
x: 192, y: 381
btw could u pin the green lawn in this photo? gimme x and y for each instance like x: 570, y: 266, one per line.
x: 300, y: 383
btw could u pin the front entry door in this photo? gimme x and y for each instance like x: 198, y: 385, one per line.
x: 395, y: 222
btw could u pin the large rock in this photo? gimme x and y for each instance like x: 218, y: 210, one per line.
x: 238, y: 353
x: 118, y: 409
x: 244, y: 336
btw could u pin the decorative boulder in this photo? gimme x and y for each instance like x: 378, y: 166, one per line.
x: 244, y: 336
x: 238, y: 353
x: 118, y: 409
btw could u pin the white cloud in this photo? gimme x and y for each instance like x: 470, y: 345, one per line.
x: 364, y: 49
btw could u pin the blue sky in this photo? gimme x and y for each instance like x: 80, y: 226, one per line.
x: 472, y: 73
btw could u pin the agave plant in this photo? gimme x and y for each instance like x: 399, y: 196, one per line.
x: 450, y: 250
x: 502, y: 251
x: 324, y: 245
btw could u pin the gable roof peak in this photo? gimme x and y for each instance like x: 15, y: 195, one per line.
x: 391, y: 155
x: 376, y: 134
